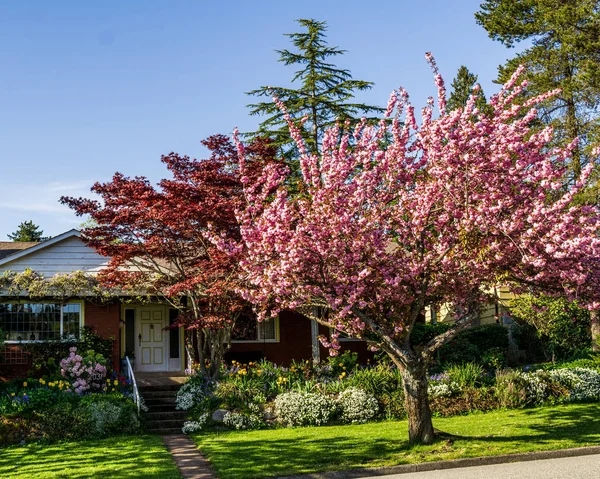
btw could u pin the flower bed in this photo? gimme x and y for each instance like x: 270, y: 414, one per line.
x: 261, y: 394
x: 85, y: 400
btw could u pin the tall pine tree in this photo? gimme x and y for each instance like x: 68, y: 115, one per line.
x: 564, y: 53
x: 462, y: 88
x: 27, y: 231
x: 325, y: 93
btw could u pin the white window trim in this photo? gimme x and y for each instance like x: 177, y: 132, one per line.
x: 345, y: 339
x: 27, y: 341
x: 260, y: 341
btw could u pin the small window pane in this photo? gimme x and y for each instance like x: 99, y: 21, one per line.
x: 267, y: 329
x: 71, y: 320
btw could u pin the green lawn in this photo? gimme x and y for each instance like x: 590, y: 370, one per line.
x: 115, y: 457
x: 243, y: 455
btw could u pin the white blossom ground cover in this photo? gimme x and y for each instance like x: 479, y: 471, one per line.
x: 287, y: 451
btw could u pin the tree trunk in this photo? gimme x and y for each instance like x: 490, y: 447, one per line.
x: 420, y: 427
x: 595, y: 329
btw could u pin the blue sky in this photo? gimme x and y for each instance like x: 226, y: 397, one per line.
x: 90, y: 88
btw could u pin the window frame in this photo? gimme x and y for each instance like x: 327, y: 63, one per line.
x: 258, y: 333
x: 80, y: 302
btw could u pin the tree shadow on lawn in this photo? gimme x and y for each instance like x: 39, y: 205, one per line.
x: 130, y: 457
x: 576, y: 426
x: 305, y: 454
x: 296, y: 455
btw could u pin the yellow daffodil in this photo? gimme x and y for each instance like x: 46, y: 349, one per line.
x: 12, y: 394
x: 25, y: 384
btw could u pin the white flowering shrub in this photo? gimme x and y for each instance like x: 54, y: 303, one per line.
x: 103, y: 416
x: 443, y: 390
x: 304, y: 409
x: 357, y: 406
x: 189, y: 395
x: 536, y: 386
x: 240, y: 421
x: 583, y: 384
x: 195, y: 426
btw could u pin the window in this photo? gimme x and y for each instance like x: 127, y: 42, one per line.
x: 248, y: 329
x: 39, y: 321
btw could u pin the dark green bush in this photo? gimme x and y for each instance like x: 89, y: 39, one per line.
x: 553, y: 328
x: 46, y: 356
x: 425, y: 332
x: 63, y: 422
x: 473, y: 344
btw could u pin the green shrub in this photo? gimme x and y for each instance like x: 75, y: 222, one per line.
x: 391, y: 404
x: 64, y: 422
x: 510, y: 389
x: 109, y: 414
x: 470, y: 400
x: 472, y: 344
x: 557, y: 328
x: 14, y: 430
x: 233, y: 395
x: 466, y: 375
x: 425, y: 332
x: 378, y: 380
x: 345, y: 362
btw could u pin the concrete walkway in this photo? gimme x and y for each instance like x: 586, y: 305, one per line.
x: 188, y: 459
x: 581, y: 467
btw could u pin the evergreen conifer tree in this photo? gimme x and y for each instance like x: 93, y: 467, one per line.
x: 462, y: 88
x: 564, y: 53
x: 325, y: 93
x: 27, y: 231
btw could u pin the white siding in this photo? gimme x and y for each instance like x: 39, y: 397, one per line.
x: 66, y: 256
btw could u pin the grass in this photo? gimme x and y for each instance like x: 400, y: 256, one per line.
x: 117, y: 457
x: 280, y: 452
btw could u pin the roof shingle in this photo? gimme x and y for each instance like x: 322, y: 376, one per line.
x: 10, y: 247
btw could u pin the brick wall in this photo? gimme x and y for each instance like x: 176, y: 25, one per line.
x: 104, y: 321
x: 294, y: 343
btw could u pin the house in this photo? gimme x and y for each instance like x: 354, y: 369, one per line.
x: 140, y: 331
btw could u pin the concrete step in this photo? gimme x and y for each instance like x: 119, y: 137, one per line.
x: 164, y: 387
x: 153, y: 415
x: 165, y: 424
x: 164, y: 431
x: 158, y: 394
x: 164, y: 401
x: 162, y: 407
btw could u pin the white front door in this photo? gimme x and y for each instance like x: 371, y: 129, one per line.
x: 151, y: 354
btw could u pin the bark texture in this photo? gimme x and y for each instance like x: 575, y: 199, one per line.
x: 420, y: 427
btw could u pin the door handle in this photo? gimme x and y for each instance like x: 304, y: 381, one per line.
x: 140, y: 338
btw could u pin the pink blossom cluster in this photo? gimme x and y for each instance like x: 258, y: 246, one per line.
x: 444, y: 211
x: 84, y: 375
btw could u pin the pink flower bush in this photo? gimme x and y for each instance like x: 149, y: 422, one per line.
x: 83, y: 373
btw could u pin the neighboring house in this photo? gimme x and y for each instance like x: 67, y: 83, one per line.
x: 140, y: 331
x: 495, y: 312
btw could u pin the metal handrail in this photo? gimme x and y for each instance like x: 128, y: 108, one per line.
x: 136, y: 393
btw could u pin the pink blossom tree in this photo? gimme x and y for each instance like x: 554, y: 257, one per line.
x: 440, y: 213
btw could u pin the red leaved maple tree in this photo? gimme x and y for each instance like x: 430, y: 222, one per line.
x: 156, y: 238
